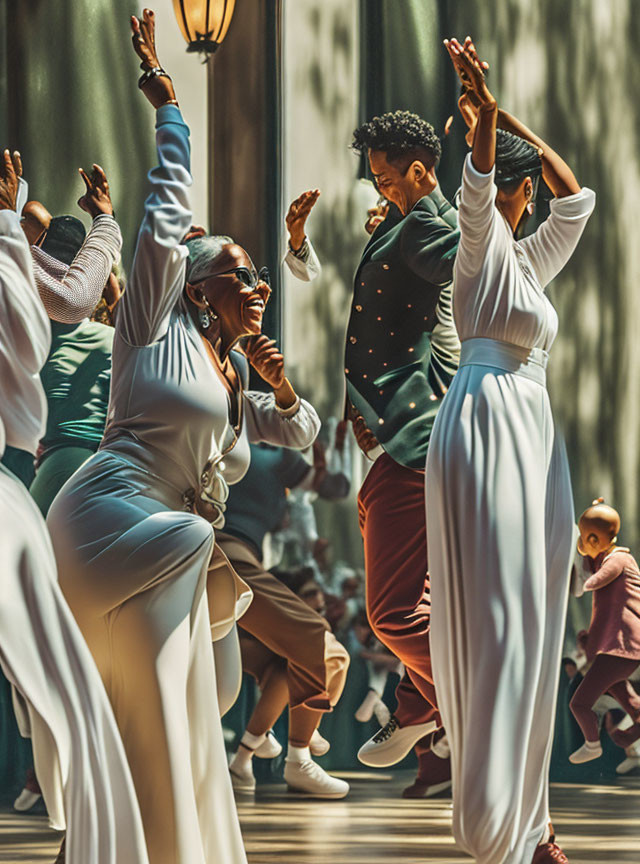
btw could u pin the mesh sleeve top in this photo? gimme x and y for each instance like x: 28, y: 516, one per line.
x: 70, y: 293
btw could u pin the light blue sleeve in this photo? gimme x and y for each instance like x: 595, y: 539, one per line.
x: 158, y: 273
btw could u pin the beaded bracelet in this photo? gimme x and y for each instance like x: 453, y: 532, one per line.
x: 148, y: 74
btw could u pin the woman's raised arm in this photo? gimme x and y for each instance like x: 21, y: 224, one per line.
x: 555, y: 171
x: 471, y: 70
x: 158, y: 272
x: 477, y: 214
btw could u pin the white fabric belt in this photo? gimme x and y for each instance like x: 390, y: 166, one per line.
x: 528, y: 362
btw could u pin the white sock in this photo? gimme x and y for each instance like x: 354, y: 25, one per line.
x: 298, y: 754
x: 253, y: 741
x: 244, y: 754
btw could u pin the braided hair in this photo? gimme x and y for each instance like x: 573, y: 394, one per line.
x: 515, y: 160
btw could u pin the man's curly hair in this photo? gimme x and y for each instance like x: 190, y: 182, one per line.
x: 401, y: 136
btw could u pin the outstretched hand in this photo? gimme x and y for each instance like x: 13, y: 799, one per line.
x: 296, y: 218
x: 470, y: 69
x: 159, y: 88
x: 97, y: 199
x: 10, y: 174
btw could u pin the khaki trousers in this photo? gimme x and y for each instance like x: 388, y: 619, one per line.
x: 298, y: 645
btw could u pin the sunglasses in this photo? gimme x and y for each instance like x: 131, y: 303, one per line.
x: 246, y: 276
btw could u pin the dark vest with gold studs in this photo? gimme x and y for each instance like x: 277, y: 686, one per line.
x: 393, y: 379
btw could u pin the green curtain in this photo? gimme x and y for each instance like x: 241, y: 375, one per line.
x: 72, y: 100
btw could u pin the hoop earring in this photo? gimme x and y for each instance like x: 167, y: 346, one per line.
x: 206, y: 315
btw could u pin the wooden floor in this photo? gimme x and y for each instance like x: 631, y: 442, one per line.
x: 596, y: 825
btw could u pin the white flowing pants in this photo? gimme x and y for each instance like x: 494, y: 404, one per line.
x: 500, y: 534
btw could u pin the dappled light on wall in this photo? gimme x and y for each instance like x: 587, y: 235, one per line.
x: 204, y: 23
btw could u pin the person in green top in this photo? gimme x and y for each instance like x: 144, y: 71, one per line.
x: 76, y: 380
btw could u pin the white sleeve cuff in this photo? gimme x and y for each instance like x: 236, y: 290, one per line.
x: 474, y: 177
x: 291, y: 410
x: 575, y: 206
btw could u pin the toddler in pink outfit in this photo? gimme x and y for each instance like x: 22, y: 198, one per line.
x: 613, y: 644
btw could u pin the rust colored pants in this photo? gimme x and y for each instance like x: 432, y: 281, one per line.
x: 391, y: 507
x: 299, y: 645
x: 608, y: 674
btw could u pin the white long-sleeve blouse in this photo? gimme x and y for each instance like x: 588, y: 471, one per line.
x: 499, y: 281
x: 169, y: 412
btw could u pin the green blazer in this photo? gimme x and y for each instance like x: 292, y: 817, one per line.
x: 393, y: 380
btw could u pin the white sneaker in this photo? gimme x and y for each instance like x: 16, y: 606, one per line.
x: 392, y: 743
x: 242, y: 778
x: 318, y: 745
x: 270, y: 747
x: 586, y: 753
x: 628, y: 764
x: 26, y: 800
x: 308, y: 778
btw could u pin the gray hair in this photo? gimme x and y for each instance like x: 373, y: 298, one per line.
x: 203, y: 251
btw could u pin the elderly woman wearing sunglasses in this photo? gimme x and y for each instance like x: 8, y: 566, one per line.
x: 136, y: 561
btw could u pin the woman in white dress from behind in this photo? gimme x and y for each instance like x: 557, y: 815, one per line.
x: 499, y: 508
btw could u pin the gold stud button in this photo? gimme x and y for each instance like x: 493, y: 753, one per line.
x: 370, y: 350
x: 412, y: 404
x: 385, y: 266
x: 411, y: 350
x: 353, y: 340
x: 381, y: 422
x: 408, y: 305
x: 379, y: 317
x: 433, y: 397
x: 379, y: 290
x: 358, y: 308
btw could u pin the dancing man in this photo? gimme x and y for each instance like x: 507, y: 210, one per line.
x: 401, y: 355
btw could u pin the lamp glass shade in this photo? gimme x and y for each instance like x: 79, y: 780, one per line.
x: 204, y: 23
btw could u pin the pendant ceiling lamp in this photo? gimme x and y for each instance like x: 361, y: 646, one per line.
x: 204, y: 23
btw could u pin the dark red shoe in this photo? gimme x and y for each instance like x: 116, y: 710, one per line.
x: 626, y: 737
x: 31, y: 783
x: 434, y: 777
x: 549, y: 853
